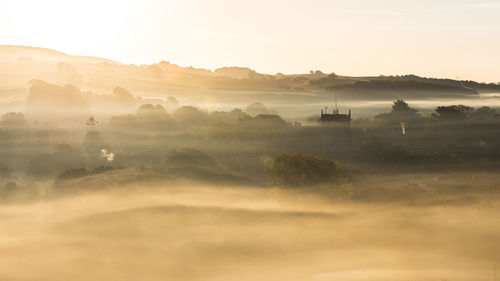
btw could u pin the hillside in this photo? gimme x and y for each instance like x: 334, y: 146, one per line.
x: 13, y: 54
x: 20, y: 64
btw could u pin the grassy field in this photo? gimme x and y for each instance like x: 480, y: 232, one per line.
x: 177, y: 231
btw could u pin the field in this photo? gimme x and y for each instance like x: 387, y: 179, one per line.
x: 446, y: 230
x: 123, y: 172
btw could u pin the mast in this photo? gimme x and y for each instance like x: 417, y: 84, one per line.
x: 336, y: 108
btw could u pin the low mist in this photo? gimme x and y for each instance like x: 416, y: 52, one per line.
x: 161, y: 172
x: 180, y: 231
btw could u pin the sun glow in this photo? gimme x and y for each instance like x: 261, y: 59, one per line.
x: 291, y: 36
x: 81, y: 27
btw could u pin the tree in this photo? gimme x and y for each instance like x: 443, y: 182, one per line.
x: 484, y: 113
x: 150, y: 110
x: 401, y: 106
x: 189, y: 116
x: 93, y: 145
x: 50, y: 164
x: 256, y: 109
x: 8, y: 190
x: 73, y: 173
x: 401, y: 112
x: 299, y: 170
x: 122, y: 93
x: 13, y: 119
x: 5, y: 173
x: 454, y: 112
x: 65, y: 100
x: 92, y: 124
x: 172, y: 101
x: 67, y: 74
x: 189, y: 157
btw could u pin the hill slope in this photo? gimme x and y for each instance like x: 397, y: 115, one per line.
x: 20, y: 64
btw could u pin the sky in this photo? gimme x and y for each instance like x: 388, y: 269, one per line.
x: 439, y: 38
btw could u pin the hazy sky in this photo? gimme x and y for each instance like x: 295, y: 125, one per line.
x: 442, y: 38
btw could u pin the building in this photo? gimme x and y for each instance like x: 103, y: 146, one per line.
x: 335, y: 133
x: 334, y: 116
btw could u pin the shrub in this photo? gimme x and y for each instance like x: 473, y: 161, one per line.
x: 299, y: 170
x: 189, y: 157
x: 73, y: 173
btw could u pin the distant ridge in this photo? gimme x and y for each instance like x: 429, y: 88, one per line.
x: 12, y: 53
x: 23, y: 63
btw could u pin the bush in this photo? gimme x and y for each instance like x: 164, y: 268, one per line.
x: 299, y: 170
x: 5, y: 173
x: 73, y: 173
x: 8, y: 191
x: 189, y: 157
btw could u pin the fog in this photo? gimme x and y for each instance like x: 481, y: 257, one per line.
x: 301, y: 106
x: 181, y: 231
x: 161, y: 172
x: 294, y: 96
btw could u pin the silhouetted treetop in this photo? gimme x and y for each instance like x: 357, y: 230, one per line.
x: 256, y: 109
x: 190, y: 115
x: 13, y: 119
x: 454, y: 112
x: 149, y: 109
x: 401, y: 111
x: 122, y: 93
x: 299, y: 169
x: 484, y: 113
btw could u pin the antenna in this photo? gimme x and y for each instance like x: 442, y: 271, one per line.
x: 336, y: 108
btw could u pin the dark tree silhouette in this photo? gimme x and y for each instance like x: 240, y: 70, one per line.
x: 13, y: 119
x: 299, y: 169
x: 92, y: 124
x: 122, y: 93
x: 401, y: 112
x: 484, y: 113
x: 454, y: 112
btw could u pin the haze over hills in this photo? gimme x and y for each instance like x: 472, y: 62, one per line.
x: 226, y: 140
x: 13, y: 53
x: 20, y: 64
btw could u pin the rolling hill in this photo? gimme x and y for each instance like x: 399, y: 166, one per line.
x: 20, y: 64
